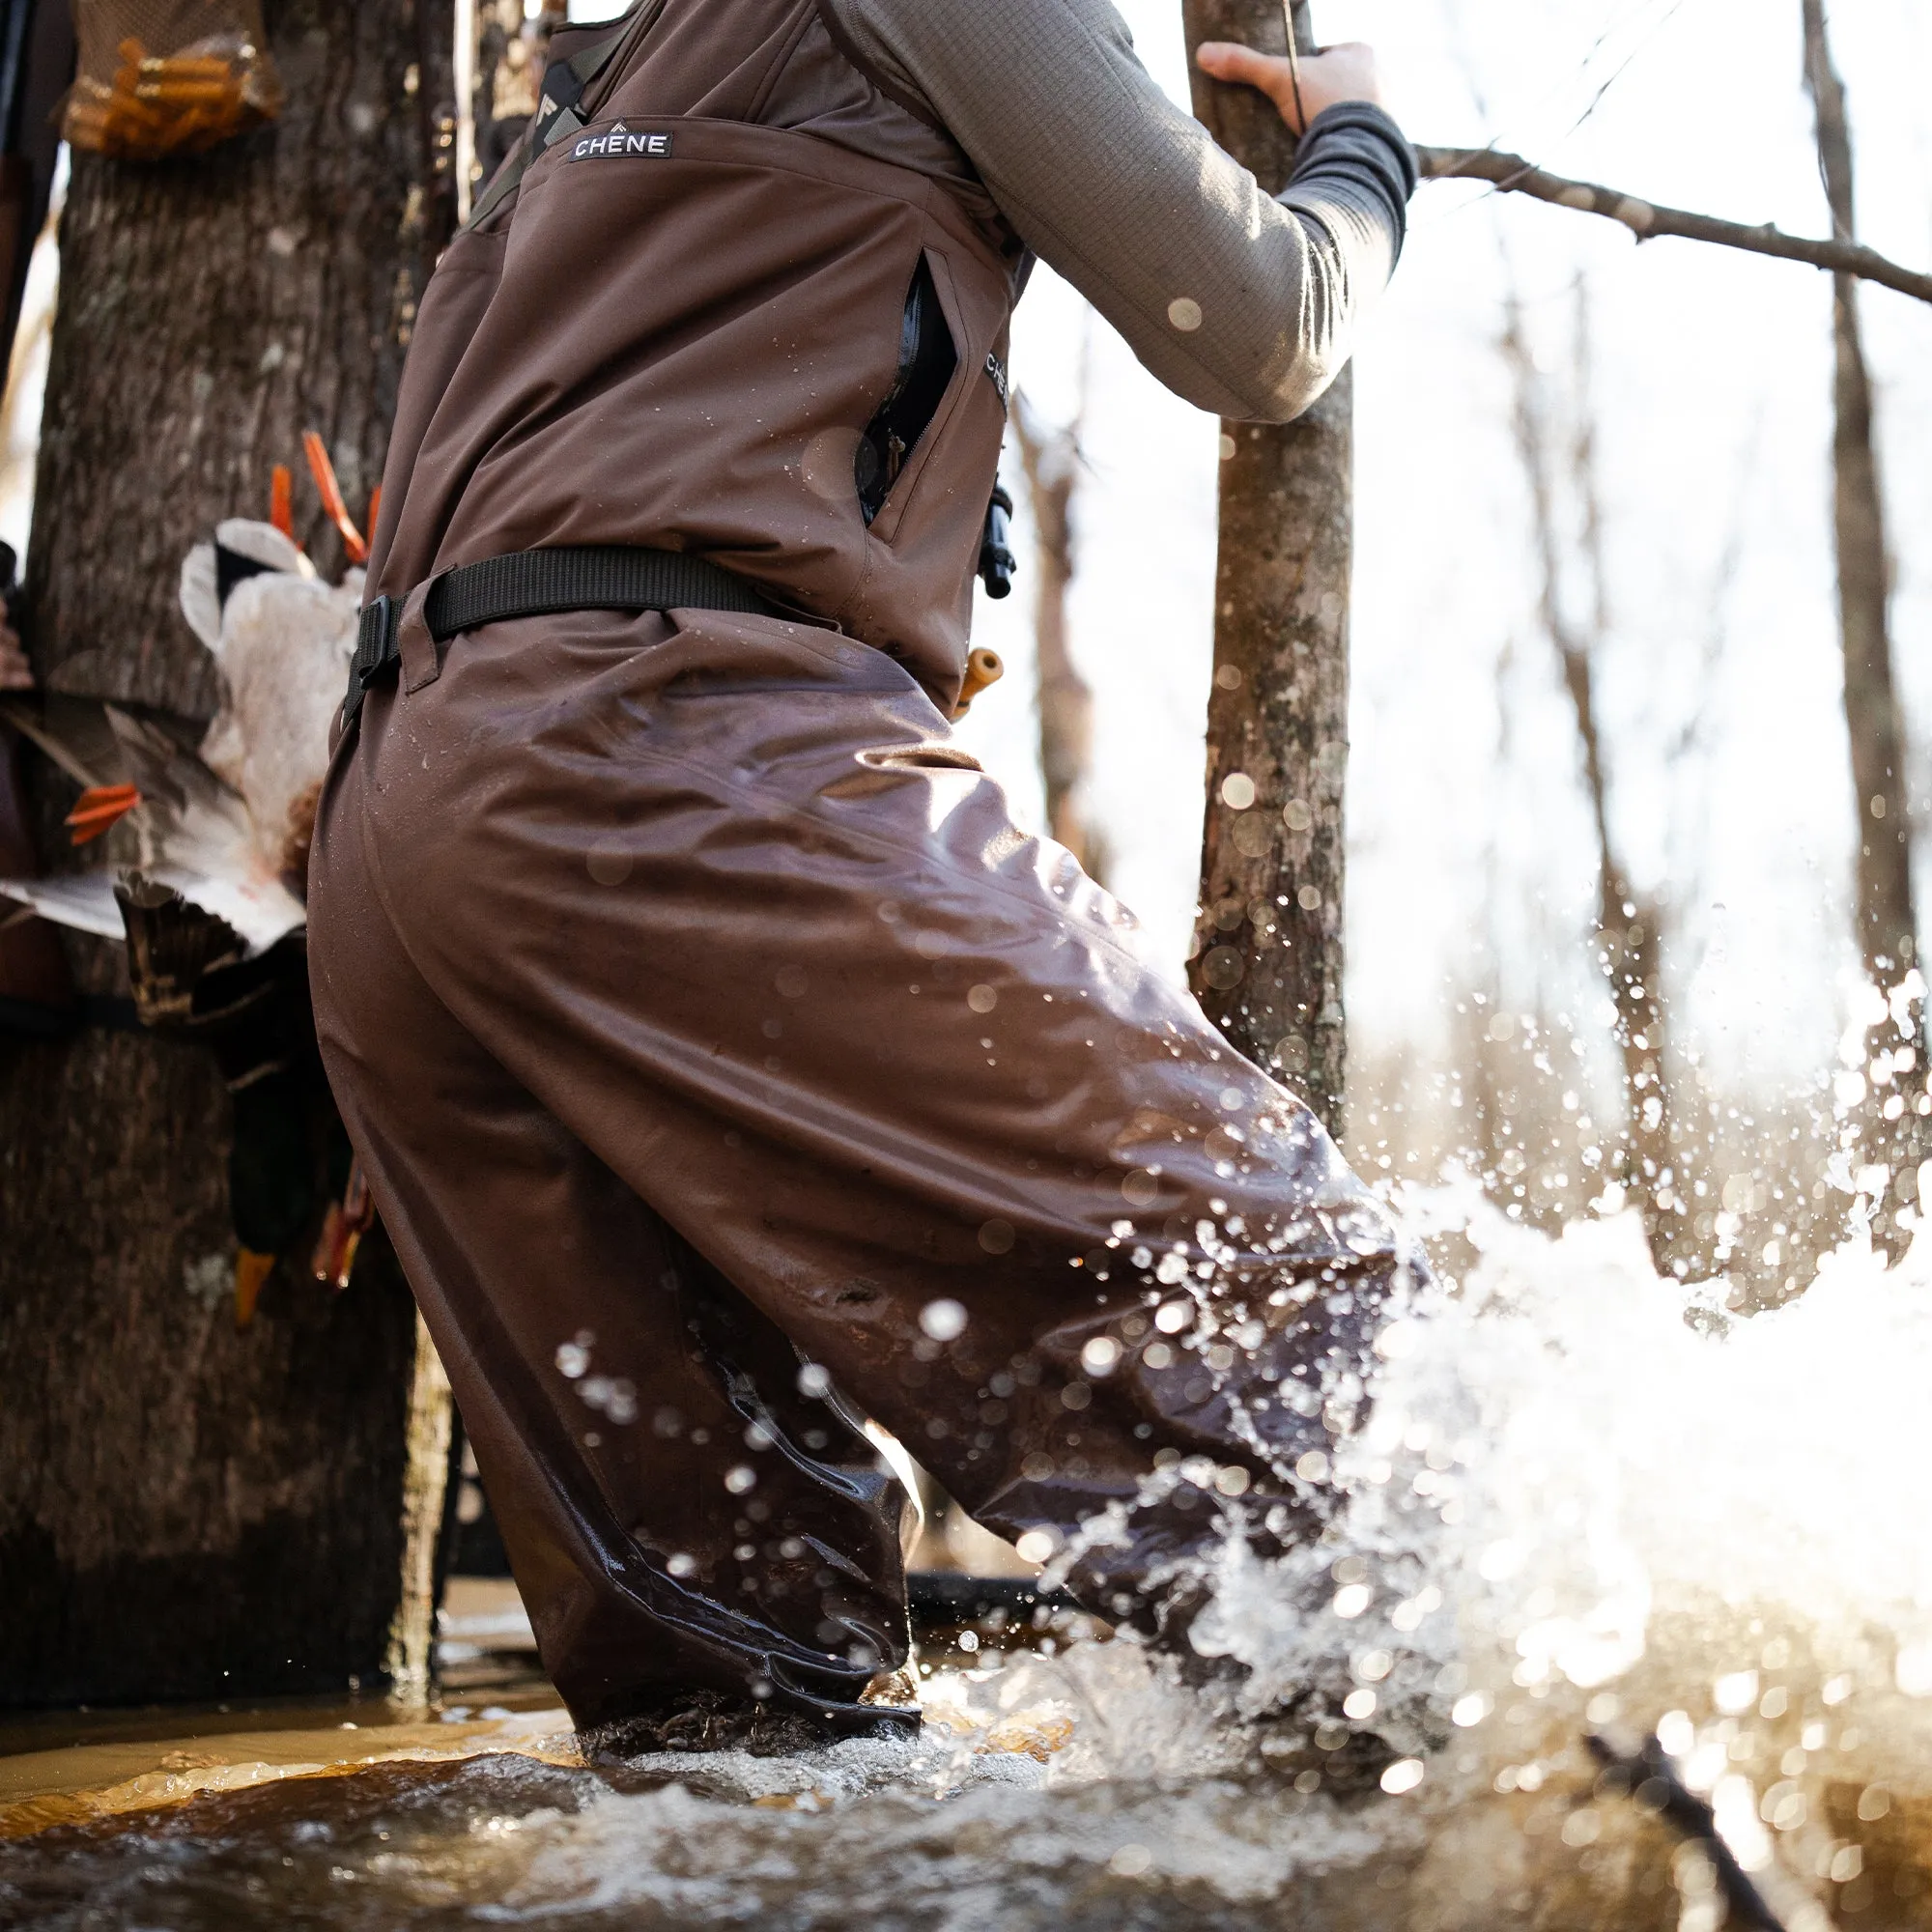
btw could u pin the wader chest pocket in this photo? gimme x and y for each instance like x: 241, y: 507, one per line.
x: 927, y: 359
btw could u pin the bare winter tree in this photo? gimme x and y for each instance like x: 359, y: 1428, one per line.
x: 1889, y: 1134
x: 1628, y: 922
x: 1267, y: 962
x: 1052, y: 461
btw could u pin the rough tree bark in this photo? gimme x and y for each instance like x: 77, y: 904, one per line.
x: 186, y: 1511
x: 1891, y: 1132
x: 1627, y: 925
x: 1051, y: 459
x: 1267, y: 962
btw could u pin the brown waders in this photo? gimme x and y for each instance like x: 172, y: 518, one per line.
x: 727, y: 1066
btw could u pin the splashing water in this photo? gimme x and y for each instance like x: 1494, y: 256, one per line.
x: 1573, y: 1510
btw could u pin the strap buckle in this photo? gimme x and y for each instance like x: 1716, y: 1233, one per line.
x: 375, y: 652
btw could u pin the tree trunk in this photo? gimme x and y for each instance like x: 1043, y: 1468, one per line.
x: 185, y: 1510
x: 511, y: 50
x: 1268, y: 961
x: 1052, y: 463
x: 1627, y: 940
x: 1889, y: 1130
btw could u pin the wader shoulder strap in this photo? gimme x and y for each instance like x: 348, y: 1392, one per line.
x: 540, y: 583
x: 561, y: 105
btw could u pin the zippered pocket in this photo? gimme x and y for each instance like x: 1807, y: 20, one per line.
x: 927, y: 359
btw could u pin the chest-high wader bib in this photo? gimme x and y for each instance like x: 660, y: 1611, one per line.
x: 727, y: 1067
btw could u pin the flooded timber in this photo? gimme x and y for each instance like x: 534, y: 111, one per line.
x: 1575, y: 1512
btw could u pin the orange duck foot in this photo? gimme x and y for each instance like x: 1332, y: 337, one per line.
x: 98, y: 808
x: 251, y: 1270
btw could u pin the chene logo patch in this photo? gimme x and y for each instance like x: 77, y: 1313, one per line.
x: 620, y: 142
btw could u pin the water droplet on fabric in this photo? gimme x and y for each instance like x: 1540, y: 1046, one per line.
x: 997, y: 1238
x: 944, y: 1320
x: 608, y: 863
x: 826, y: 464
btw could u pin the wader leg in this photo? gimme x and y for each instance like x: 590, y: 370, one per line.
x: 613, y: 1384
x: 715, y: 915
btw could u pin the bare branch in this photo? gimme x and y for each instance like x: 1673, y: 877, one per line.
x: 1511, y: 174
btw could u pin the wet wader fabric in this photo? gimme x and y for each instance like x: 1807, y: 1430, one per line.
x: 725, y: 1063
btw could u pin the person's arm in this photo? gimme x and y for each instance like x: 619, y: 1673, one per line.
x: 1242, y: 304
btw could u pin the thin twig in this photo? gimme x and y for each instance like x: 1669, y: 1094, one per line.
x: 1511, y: 174
x: 1649, y: 1777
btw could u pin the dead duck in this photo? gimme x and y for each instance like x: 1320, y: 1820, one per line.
x: 201, y: 850
x: 225, y: 823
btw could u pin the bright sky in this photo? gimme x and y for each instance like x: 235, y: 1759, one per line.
x: 1466, y: 820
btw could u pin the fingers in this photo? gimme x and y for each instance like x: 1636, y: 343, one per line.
x: 1345, y: 71
x: 1226, y: 61
x: 1242, y: 67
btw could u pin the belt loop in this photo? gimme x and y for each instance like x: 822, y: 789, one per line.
x: 421, y: 664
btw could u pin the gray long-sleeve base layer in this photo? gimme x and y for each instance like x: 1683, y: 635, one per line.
x: 1244, y: 305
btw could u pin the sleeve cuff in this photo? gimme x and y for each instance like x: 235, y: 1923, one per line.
x: 1363, y: 117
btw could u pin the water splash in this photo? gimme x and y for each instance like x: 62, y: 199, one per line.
x: 1586, y: 1501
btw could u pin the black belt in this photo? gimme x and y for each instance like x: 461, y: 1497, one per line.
x: 536, y: 582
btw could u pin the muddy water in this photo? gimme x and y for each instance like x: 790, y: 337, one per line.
x: 1091, y: 1798
x: 1573, y: 1513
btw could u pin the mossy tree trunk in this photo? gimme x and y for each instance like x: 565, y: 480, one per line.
x: 1268, y: 960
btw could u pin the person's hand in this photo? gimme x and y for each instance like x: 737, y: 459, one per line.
x: 1338, y: 74
x: 16, y: 674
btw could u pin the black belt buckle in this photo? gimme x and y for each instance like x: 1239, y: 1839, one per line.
x: 375, y: 651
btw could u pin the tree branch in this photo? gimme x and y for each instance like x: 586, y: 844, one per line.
x: 1511, y: 174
